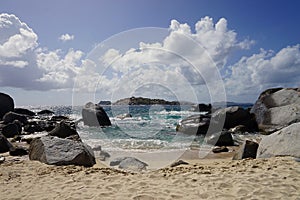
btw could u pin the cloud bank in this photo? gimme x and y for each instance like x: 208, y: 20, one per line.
x: 185, y: 58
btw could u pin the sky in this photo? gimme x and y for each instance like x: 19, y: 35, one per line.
x: 70, y: 51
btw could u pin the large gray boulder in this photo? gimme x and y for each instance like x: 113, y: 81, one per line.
x: 277, y: 107
x: 58, y: 151
x: 194, y: 125
x: 235, y: 116
x: 6, y: 104
x: 94, y: 115
x: 285, y: 142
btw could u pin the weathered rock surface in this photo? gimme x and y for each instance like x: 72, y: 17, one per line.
x: 10, y: 130
x: 63, y: 130
x: 129, y: 163
x: 6, y: 104
x: 11, y: 116
x: 284, y: 142
x: 235, y: 116
x: 5, y: 145
x: 24, y: 111
x: 277, y: 107
x: 132, y: 164
x: 247, y: 150
x: 223, y: 138
x: 194, y: 125
x: 94, y: 115
x: 58, y: 151
x: 18, y: 151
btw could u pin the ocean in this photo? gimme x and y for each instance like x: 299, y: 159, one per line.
x: 150, y: 127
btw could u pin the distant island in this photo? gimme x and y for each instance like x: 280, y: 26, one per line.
x: 147, y: 101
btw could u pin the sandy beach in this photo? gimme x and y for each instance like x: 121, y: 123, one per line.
x: 215, y: 178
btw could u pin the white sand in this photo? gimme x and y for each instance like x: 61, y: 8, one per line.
x: 275, y: 178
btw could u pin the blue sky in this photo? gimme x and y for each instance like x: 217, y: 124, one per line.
x: 269, y: 25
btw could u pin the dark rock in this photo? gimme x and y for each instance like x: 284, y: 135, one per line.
x: 58, y: 151
x: 39, y: 126
x: 132, y: 164
x: 223, y: 138
x: 194, y: 125
x: 19, y: 125
x: 202, y: 108
x: 6, y: 104
x: 5, y: 145
x: 247, y: 150
x: 10, y: 130
x: 59, y: 118
x: 18, y: 151
x: 179, y: 162
x: 240, y: 129
x: 11, y: 116
x: 235, y: 116
x: 63, y: 130
x: 94, y: 115
x: 117, y: 161
x: 103, y: 155
x: 277, y: 107
x: 284, y: 142
x: 220, y: 149
x: 45, y: 112
x: 24, y: 111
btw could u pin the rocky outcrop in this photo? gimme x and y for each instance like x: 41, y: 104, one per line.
x: 58, y: 151
x: 63, y: 130
x: 247, y: 150
x: 94, y: 115
x: 129, y: 163
x: 223, y: 138
x: 284, y: 142
x: 24, y: 111
x: 277, y: 108
x: 6, y: 104
x: 194, y: 125
x: 11, y: 116
x: 235, y: 116
x: 202, y: 107
x: 5, y: 145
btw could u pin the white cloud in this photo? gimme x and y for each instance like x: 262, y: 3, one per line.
x: 266, y: 69
x: 66, y: 37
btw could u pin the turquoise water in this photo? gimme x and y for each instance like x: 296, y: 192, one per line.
x: 150, y: 128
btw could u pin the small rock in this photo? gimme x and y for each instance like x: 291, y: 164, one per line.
x: 132, y: 164
x: 220, y: 149
x: 45, y: 112
x: 247, y: 150
x: 18, y: 151
x: 179, y: 162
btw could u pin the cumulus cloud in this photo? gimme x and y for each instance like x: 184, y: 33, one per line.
x: 266, y: 69
x: 66, y: 37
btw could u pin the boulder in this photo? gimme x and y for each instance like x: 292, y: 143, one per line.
x: 194, y: 125
x: 239, y: 129
x: 277, y: 107
x: 235, y: 116
x: 220, y: 149
x: 11, y: 116
x: 39, y: 126
x: 247, y: 150
x: 284, y: 142
x: 10, y: 130
x: 117, y: 161
x: 179, y: 162
x: 18, y: 151
x: 223, y: 138
x: 58, y: 151
x: 6, y: 104
x: 94, y: 115
x: 45, y: 112
x: 202, y: 108
x: 24, y: 111
x: 103, y: 155
x: 132, y: 164
x: 5, y: 145
x: 63, y: 130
